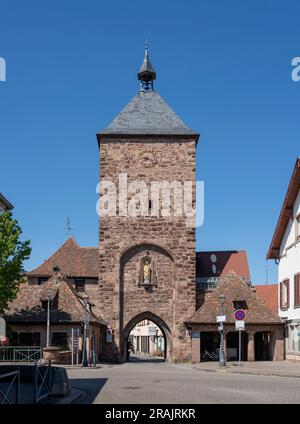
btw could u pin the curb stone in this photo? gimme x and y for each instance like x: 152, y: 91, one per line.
x: 248, y: 372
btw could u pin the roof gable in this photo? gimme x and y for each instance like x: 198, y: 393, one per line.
x: 234, y: 289
x: 285, y: 213
x: 73, y: 260
x: 147, y: 113
x: 28, y: 305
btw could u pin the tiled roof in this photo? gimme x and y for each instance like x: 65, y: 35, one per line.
x: 286, y: 212
x: 4, y: 203
x: 234, y: 289
x: 67, y: 305
x: 147, y: 113
x: 226, y: 261
x: 73, y: 261
x: 269, y: 294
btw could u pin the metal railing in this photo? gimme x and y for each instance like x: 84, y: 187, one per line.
x: 42, y: 385
x: 13, y: 380
x: 20, y: 353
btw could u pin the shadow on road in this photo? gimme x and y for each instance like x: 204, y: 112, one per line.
x: 134, y: 358
x: 90, y: 386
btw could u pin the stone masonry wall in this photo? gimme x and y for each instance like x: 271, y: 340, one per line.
x: 169, y: 241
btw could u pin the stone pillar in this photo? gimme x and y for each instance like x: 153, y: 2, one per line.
x: 251, y: 349
x: 51, y: 353
x: 196, y: 347
x: 277, y: 344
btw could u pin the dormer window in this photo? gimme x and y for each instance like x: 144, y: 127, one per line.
x: 239, y: 304
x: 80, y: 284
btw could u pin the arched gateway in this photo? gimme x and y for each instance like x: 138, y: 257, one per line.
x: 147, y: 256
x: 157, y: 321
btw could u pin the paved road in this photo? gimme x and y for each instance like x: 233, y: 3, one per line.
x: 158, y: 382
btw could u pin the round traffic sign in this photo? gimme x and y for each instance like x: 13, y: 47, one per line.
x: 239, y: 315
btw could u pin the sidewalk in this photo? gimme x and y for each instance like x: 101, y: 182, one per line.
x: 280, y: 368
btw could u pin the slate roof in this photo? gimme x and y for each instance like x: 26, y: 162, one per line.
x: 147, y: 113
x: 234, y: 289
x: 73, y: 261
x: 227, y: 260
x: 68, y: 305
x: 146, y: 67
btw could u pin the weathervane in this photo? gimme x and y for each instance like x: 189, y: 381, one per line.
x: 69, y: 227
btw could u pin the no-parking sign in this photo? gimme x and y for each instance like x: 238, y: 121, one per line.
x: 239, y: 315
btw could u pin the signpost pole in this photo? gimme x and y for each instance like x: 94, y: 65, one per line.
x: 48, y: 319
x: 240, y: 315
x: 72, y: 341
x: 240, y: 345
x: 77, y: 349
x: 222, y: 360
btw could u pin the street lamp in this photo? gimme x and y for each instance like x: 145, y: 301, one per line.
x: 222, y: 362
x: 85, y: 325
x: 48, y: 318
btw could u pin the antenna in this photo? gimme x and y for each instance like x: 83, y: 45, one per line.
x: 69, y: 227
x: 267, y: 272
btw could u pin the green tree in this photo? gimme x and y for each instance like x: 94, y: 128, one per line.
x: 12, y: 254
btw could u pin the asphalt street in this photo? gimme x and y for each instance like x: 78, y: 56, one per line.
x: 159, y: 382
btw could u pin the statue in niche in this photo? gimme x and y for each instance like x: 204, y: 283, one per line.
x: 147, y: 272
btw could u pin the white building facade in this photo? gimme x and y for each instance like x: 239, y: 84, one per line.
x: 285, y: 249
x: 148, y: 339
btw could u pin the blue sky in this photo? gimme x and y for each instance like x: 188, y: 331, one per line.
x: 224, y: 67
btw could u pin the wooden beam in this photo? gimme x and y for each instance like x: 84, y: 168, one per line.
x: 289, y: 212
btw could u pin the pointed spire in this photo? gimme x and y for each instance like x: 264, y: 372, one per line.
x: 146, y: 73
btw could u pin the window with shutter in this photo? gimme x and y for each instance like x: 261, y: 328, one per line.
x: 287, y: 284
x: 297, y: 290
x: 285, y: 294
x: 281, y: 295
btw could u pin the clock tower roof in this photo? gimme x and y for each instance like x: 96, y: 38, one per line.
x: 147, y: 113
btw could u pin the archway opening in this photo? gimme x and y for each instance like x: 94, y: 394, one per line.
x: 146, y: 337
x: 146, y: 342
x: 262, y: 346
x: 233, y: 346
x: 210, y: 344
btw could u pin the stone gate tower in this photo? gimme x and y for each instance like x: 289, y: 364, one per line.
x: 147, y: 261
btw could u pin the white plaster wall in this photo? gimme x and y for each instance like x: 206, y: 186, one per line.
x: 144, y: 330
x: 290, y: 261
